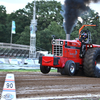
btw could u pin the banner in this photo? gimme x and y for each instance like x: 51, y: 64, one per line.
x: 32, y: 30
x: 13, y: 27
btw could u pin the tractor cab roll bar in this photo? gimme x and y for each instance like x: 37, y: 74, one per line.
x: 83, y: 33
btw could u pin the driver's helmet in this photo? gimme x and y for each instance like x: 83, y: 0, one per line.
x: 85, y: 36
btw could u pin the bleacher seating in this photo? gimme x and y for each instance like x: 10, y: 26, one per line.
x: 16, y: 50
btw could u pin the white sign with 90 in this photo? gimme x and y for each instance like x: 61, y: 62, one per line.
x: 9, y: 92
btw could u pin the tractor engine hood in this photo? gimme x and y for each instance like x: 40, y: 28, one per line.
x: 73, y: 43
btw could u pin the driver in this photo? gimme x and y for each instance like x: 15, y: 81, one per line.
x: 84, y: 37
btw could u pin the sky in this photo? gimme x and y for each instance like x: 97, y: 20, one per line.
x: 13, y: 5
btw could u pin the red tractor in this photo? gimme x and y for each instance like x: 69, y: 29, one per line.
x: 68, y: 56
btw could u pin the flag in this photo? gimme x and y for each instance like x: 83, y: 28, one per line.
x: 13, y: 27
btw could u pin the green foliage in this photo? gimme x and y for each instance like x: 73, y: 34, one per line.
x: 49, y: 22
x: 3, y: 20
x: 21, y: 19
x: 57, y: 30
x: 46, y: 12
x: 91, y: 18
x: 75, y: 33
x: 44, y: 37
x: 95, y: 31
x: 3, y: 15
x: 24, y: 37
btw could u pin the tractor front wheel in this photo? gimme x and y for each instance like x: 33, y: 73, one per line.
x: 70, y: 68
x: 92, y: 62
x: 45, y: 69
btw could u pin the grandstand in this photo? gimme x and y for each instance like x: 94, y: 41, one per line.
x: 16, y: 50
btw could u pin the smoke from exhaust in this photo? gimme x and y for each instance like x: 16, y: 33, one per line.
x: 73, y: 9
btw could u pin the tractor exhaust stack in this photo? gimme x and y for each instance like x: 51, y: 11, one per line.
x: 67, y: 36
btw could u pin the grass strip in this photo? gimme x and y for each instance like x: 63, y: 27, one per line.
x: 24, y: 70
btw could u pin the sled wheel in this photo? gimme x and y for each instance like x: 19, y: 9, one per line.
x: 70, y: 68
x: 91, y: 63
x: 45, y: 69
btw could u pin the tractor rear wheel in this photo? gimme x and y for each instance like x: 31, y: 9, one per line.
x: 70, y: 68
x: 91, y: 64
x: 45, y: 69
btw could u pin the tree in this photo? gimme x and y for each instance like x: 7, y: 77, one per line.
x: 3, y: 20
x: 44, y: 37
x: 2, y: 15
x: 46, y: 12
x: 21, y: 20
x: 90, y: 18
x: 95, y: 31
x: 24, y: 37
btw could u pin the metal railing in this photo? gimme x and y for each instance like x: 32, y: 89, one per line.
x: 17, y: 50
x: 18, y: 46
x: 14, y: 46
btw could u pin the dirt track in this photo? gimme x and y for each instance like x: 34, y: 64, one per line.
x: 36, y: 84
